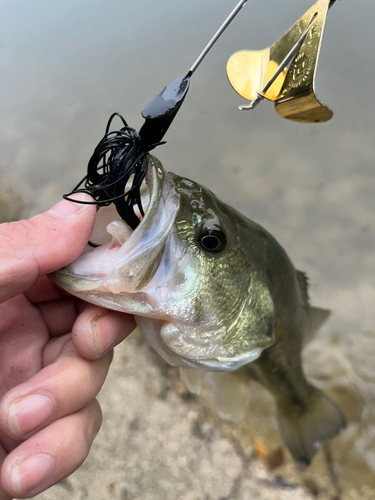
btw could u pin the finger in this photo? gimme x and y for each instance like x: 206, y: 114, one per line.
x: 59, y: 389
x: 22, y: 339
x: 51, y: 454
x: 98, y: 330
x: 59, y: 315
x: 42, y: 244
x: 3, y: 495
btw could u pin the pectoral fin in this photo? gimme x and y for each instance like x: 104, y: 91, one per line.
x: 193, y: 379
x: 230, y: 395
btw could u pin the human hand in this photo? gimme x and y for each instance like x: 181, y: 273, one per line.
x: 55, y: 352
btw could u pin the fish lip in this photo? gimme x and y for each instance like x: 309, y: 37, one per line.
x: 64, y: 278
x: 74, y: 282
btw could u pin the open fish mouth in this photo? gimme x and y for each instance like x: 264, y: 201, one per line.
x: 124, y: 260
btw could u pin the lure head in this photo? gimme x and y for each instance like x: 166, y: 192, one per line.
x: 193, y: 272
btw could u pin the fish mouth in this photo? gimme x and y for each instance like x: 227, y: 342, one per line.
x: 123, y: 259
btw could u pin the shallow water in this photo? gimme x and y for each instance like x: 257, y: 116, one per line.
x: 66, y: 66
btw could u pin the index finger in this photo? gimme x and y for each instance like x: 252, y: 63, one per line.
x: 42, y: 244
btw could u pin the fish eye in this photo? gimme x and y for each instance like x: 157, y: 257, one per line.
x: 212, y: 240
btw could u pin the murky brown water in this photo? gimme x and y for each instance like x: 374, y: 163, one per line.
x: 66, y: 66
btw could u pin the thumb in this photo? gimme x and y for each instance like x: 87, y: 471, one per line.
x: 43, y: 244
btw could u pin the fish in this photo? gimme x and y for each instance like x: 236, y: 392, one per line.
x: 212, y: 292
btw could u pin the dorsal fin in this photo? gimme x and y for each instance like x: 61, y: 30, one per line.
x: 315, y: 315
x: 303, y: 282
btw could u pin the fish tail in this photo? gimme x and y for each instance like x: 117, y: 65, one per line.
x: 303, y: 429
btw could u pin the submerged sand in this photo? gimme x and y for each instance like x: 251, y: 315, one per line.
x: 159, y: 442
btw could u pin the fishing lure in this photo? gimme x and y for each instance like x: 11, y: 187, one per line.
x: 119, y: 163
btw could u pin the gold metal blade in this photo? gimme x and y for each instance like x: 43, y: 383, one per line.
x: 293, y: 91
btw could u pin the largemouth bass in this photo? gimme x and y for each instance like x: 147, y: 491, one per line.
x: 212, y: 291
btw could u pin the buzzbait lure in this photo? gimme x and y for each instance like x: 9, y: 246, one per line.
x: 119, y: 163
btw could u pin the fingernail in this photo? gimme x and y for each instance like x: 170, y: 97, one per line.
x: 105, y: 330
x: 67, y: 208
x: 96, y: 335
x: 30, y: 412
x: 29, y: 475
